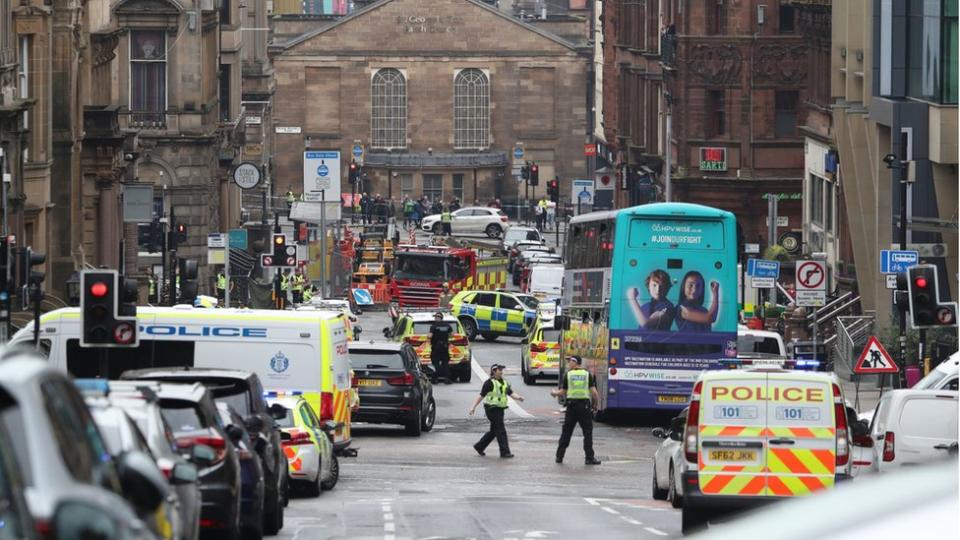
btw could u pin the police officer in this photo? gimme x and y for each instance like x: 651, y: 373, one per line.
x: 296, y: 287
x: 447, y: 220
x: 152, y: 297
x: 221, y: 285
x: 494, y: 393
x: 440, y: 347
x: 580, y: 390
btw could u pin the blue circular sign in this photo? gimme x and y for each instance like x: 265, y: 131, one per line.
x: 323, y: 170
x: 357, y: 151
x: 518, y: 153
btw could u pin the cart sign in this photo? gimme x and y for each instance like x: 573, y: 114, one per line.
x: 713, y: 159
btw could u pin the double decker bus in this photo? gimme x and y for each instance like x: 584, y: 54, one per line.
x: 652, y: 294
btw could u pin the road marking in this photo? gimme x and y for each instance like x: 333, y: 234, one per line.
x: 655, y: 531
x: 388, y: 517
x: 631, y: 520
x: 389, y: 527
x: 591, y: 501
x: 511, y: 404
x: 609, y: 510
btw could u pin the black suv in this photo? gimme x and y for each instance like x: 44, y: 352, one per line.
x: 392, y: 387
x: 244, y: 392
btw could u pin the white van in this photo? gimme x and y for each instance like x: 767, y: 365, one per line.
x: 291, y: 351
x: 912, y: 427
x: 759, y: 344
x: 943, y: 377
x: 546, y: 281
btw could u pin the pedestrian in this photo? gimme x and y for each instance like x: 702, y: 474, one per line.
x: 437, y: 206
x: 296, y: 286
x: 579, y: 388
x: 539, y: 215
x: 221, y: 285
x: 290, y: 199
x: 445, y: 297
x: 551, y: 213
x: 408, y: 206
x: 447, y: 220
x: 366, y: 207
x: 494, y: 394
x: 454, y: 204
x: 440, y: 332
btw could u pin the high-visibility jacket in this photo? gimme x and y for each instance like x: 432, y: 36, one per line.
x: 284, y: 283
x: 153, y: 286
x: 307, y: 295
x: 498, y: 396
x: 446, y: 217
x: 221, y: 282
x: 297, y: 283
x: 578, y: 384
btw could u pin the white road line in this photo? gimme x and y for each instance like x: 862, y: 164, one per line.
x: 388, y: 517
x: 511, y: 404
x: 389, y: 527
x: 609, y: 510
x: 593, y: 502
x: 655, y: 531
x: 631, y: 520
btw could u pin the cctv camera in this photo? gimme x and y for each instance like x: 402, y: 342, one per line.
x: 890, y: 159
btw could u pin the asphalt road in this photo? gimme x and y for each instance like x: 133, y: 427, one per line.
x: 436, y: 486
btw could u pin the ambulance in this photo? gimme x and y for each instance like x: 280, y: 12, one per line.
x: 758, y: 435
x: 293, y: 352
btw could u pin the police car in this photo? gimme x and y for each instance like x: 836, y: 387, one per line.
x: 540, y: 353
x: 492, y: 314
x: 758, y: 435
x: 413, y: 327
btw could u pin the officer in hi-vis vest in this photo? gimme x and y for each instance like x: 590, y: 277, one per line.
x: 580, y: 389
x: 494, y: 393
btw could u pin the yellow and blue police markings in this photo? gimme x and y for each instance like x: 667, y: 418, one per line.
x: 540, y: 355
x: 493, y: 320
x: 459, y: 346
x: 298, y: 454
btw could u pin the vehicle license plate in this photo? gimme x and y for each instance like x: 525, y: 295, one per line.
x: 733, y: 455
x: 369, y: 382
x: 671, y: 399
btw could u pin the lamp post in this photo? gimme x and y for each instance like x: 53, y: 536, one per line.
x: 897, y: 167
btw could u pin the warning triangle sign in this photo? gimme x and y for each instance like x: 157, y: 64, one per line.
x: 875, y: 359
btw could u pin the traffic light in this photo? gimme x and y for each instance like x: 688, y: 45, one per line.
x: 926, y: 310
x: 189, y: 287
x: 7, y: 263
x: 27, y: 276
x: 354, y: 172
x: 534, y: 174
x: 553, y: 190
x: 102, y: 325
x: 181, y: 232
x: 525, y: 171
x: 129, y: 295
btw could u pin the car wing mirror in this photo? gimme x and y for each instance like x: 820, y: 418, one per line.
x: 142, y: 482
x: 183, y: 473
x: 330, y: 426
x: 659, y: 433
x: 278, y: 411
x: 202, y: 455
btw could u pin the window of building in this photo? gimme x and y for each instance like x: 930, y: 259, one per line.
x: 225, y: 12
x: 828, y: 202
x: 785, y: 121
x: 471, y: 110
x: 950, y: 12
x: 389, y: 110
x: 716, y: 17
x: 225, y: 92
x: 815, y: 203
x: 458, y: 186
x: 406, y: 185
x: 433, y: 186
x: 786, y: 19
x: 148, y: 75
x: 23, y: 75
x: 716, y: 113
x: 932, y: 50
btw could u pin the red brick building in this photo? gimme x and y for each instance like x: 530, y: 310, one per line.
x: 736, y: 74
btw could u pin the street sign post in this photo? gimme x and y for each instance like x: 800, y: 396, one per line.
x: 321, y: 173
x: 895, y: 261
x: 811, y: 283
x: 875, y: 359
x: 237, y: 238
x: 763, y: 272
x: 582, y: 192
x: 216, y: 240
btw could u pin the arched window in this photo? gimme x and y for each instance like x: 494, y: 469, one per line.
x: 471, y: 109
x: 388, y: 117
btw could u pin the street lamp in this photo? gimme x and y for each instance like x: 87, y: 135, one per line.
x: 895, y: 164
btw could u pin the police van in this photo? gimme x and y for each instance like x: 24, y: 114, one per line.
x: 293, y: 352
x: 758, y: 435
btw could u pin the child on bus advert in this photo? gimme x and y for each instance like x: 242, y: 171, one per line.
x: 658, y: 313
x: 691, y: 315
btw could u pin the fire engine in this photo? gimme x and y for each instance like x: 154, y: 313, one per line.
x: 420, y: 271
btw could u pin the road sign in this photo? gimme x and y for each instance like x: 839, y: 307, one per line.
x: 589, y: 150
x: 518, y: 152
x: 891, y: 281
x: 357, y: 152
x: 875, y: 359
x: 216, y: 240
x: 761, y: 268
x: 247, y: 175
x: 811, y: 283
x: 896, y: 261
x: 750, y: 249
x: 321, y: 172
x: 582, y: 191
x: 237, y: 238
x: 362, y: 297
x: 124, y: 334
x: 266, y: 260
x: 763, y: 282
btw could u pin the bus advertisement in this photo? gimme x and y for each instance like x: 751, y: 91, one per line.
x: 671, y: 307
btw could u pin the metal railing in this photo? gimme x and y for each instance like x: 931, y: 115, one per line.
x: 852, y: 334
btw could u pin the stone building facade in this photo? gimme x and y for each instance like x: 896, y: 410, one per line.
x: 439, y: 93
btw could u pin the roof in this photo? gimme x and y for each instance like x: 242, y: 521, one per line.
x: 375, y: 346
x: 164, y: 390
x: 377, y: 5
x: 187, y: 373
x: 422, y: 316
x: 22, y: 366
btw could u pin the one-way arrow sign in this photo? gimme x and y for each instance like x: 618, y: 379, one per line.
x: 875, y: 359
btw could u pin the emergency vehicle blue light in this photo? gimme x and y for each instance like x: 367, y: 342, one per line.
x: 92, y: 386
x: 808, y: 363
x: 282, y: 394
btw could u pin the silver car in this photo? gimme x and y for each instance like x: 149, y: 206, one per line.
x: 470, y: 220
x: 72, y: 482
x: 668, y: 462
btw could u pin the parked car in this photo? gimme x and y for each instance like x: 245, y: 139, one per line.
x: 470, y: 220
x: 668, y: 462
x: 525, y: 247
x: 312, y: 463
x: 545, y: 281
x: 759, y: 344
x: 143, y: 407
x: 943, y: 377
x: 201, y: 437
x: 912, y: 427
x: 70, y: 479
x: 413, y: 327
x: 244, y: 392
x: 17, y: 521
x: 122, y: 435
x: 393, y: 388
x: 492, y: 314
x: 515, y: 235
x: 251, y: 472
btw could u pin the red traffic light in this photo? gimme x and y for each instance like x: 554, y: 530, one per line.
x: 920, y: 282
x: 534, y: 168
x: 99, y: 289
x: 353, y: 166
